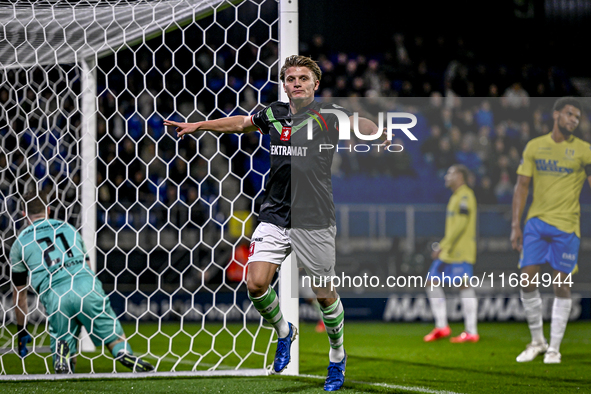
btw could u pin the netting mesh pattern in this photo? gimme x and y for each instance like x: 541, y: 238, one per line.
x: 52, y: 32
x: 173, y: 216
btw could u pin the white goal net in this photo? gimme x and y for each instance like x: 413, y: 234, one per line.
x: 85, y: 87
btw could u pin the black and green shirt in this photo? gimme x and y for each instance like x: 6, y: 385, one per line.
x: 299, y: 190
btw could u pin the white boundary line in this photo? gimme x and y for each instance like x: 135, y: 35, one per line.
x: 389, y: 386
x: 38, y: 350
x: 225, y: 372
x: 243, y: 372
x: 132, y: 375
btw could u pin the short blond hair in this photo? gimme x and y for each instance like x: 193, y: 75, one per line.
x: 300, y: 61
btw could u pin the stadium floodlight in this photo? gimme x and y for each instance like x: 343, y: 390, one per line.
x: 85, y: 86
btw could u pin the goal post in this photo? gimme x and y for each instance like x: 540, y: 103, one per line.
x: 88, y: 153
x: 165, y: 221
x: 288, y: 45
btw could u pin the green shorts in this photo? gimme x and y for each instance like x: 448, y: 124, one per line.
x: 84, y: 304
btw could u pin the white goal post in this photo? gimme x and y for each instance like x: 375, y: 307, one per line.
x: 85, y: 86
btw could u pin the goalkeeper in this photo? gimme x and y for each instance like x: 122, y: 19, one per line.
x: 54, y: 254
x: 298, y: 211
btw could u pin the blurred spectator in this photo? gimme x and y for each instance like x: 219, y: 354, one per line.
x: 468, y: 157
x: 524, y: 136
x: 144, y: 194
x: 340, y: 66
x: 237, y: 267
x: 447, y: 118
x: 372, y: 76
x: 484, y: 192
x: 126, y: 190
x: 179, y: 172
x: 317, y: 49
x: 465, y: 122
x: 484, y: 115
x: 504, y: 189
x: 407, y: 89
x: 430, y: 147
x: 198, y: 211
x: 483, y: 144
x: 398, y: 163
x: 539, y: 126
x: 493, y: 90
x: 504, y: 166
x: 178, y: 212
x: 432, y: 111
x: 445, y: 157
x: 328, y: 74
x: 349, y: 160
x: 403, y: 60
x: 514, y: 158
x: 341, y: 88
x: 455, y: 138
x: 516, y: 97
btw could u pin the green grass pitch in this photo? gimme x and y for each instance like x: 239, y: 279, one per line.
x: 383, y: 358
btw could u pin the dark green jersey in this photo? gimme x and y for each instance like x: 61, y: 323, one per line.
x: 52, y: 251
x: 299, y: 190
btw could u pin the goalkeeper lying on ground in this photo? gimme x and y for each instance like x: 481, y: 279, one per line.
x: 54, y: 253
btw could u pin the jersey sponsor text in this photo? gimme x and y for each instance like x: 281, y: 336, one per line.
x: 281, y: 150
x: 551, y: 166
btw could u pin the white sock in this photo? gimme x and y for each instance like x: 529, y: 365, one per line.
x: 469, y: 310
x: 438, y: 306
x: 532, y: 305
x: 560, y: 314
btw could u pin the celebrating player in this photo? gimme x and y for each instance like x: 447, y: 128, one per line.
x: 558, y: 162
x: 298, y: 211
x: 454, y: 257
x: 54, y: 253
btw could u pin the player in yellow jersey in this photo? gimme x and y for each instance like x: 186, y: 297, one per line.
x: 454, y: 257
x: 559, y: 163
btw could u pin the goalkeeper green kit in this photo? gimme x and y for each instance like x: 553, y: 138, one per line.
x: 54, y: 254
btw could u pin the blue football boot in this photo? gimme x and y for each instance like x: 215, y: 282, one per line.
x: 336, y: 375
x: 283, y: 353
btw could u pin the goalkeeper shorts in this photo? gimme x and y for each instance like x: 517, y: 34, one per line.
x: 70, y: 306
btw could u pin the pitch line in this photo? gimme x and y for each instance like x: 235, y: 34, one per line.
x: 389, y: 386
x: 188, y: 362
x: 135, y: 375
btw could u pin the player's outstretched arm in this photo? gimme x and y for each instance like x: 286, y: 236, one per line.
x: 231, y: 125
x: 368, y: 127
x: 519, y: 198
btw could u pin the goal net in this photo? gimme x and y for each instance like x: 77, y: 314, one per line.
x: 85, y: 88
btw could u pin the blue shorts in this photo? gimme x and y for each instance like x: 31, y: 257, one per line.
x: 449, y: 271
x: 543, y: 243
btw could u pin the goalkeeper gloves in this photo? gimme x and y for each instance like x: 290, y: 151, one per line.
x: 23, y: 338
